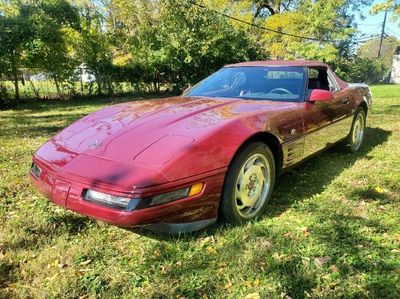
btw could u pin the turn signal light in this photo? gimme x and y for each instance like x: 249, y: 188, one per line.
x: 196, y: 189
x: 177, y: 194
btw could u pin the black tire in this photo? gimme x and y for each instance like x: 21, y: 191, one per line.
x: 354, y: 144
x: 229, y: 209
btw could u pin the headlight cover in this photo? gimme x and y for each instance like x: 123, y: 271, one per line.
x: 130, y: 204
x: 104, y: 199
x: 36, y: 170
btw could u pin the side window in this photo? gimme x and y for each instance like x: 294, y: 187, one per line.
x: 332, y: 84
x: 318, y: 78
x: 312, y: 73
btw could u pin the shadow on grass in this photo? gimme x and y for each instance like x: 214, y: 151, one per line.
x: 65, y: 104
x: 306, y: 180
x: 38, y: 126
x: 339, y: 236
x: 313, y: 176
x: 56, y: 225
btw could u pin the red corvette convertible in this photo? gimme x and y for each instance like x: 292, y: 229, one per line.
x: 178, y: 164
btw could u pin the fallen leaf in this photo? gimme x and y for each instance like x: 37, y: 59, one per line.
x: 379, y: 190
x: 334, y: 268
x: 285, y: 296
x: 85, y: 262
x: 320, y: 261
x: 63, y: 266
x: 305, y: 230
x: 247, y: 284
x: 278, y: 256
x: 211, y: 250
x: 228, y: 285
x: 54, y: 263
x: 253, y: 296
x: 156, y: 253
x: 265, y: 244
x: 305, y: 260
x: 288, y: 235
x: 207, y: 240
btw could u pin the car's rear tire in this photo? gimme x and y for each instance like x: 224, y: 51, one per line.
x: 248, y: 184
x: 357, y: 131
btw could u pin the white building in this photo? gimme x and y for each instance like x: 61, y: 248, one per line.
x: 395, y: 74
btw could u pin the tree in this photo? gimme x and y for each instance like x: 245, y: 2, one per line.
x: 54, y: 24
x: 94, y: 47
x: 370, y: 48
x: 363, y: 70
x: 176, y: 42
x: 388, y: 5
x: 327, y: 22
x: 14, y: 35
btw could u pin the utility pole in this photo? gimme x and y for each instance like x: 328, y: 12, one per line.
x: 382, y: 34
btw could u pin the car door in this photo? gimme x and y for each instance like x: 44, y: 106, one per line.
x: 325, y: 123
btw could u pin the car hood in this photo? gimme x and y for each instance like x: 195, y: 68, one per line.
x: 123, y: 132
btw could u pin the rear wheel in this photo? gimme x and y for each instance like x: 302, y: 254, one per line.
x: 249, y: 183
x: 356, y: 136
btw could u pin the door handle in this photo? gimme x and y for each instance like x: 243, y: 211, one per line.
x: 345, y: 101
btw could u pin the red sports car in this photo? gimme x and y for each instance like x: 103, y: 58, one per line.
x: 180, y: 163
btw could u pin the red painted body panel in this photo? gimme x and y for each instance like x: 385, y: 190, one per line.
x: 145, y: 148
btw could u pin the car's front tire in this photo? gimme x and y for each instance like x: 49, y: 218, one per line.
x: 356, y: 135
x: 248, y: 184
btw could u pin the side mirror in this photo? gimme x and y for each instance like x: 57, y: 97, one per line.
x: 320, y: 95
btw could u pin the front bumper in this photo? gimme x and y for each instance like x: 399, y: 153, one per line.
x: 185, y: 214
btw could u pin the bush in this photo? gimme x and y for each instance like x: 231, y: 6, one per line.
x: 363, y: 70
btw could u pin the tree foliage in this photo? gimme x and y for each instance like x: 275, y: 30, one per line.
x: 370, y: 48
x: 392, y: 6
x: 14, y: 35
x: 54, y: 24
x: 149, y: 44
x: 363, y: 70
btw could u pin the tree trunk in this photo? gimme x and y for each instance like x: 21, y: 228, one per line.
x: 81, y: 80
x: 14, y: 70
x: 90, y: 88
x: 57, y: 85
x: 99, y: 88
x: 35, y: 91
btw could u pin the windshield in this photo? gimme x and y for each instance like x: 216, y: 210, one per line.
x: 256, y: 83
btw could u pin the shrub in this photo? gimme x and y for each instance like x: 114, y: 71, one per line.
x: 363, y: 70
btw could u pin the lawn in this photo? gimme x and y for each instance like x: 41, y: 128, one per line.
x: 332, y: 230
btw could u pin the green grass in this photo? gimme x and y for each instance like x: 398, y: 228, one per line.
x: 332, y: 230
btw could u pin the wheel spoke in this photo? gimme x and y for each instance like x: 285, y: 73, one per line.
x: 252, y: 185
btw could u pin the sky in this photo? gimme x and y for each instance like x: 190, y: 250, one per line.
x: 373, y: 24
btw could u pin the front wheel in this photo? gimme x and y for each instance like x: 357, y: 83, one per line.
x: 356, y: 136
x: 248, y: 184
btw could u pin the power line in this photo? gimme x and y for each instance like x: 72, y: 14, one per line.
x: 371, y: 25
x: 365, y: 39
x: 258, y: 26
x: 396, y: 34
x: 388, y: 37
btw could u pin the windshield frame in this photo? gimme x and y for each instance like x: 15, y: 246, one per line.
x: 301, y: 98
